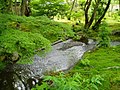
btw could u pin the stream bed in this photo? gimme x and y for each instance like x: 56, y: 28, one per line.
x: 63, y: 56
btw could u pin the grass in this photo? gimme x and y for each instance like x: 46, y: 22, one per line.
x: 102, y: 61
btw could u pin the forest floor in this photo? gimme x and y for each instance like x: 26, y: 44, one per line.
x: 102, y: 61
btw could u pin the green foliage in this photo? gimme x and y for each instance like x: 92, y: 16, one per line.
x: 51, y: 30
x: 49, y: 8
x: 76, y: 15
x: 104, y: 39
x: 99, y: 10
x: 85, y: 62
x: 116, y: 15
x: 27, y: 36
x: 54, y: 30
x: 3, y: 6
x: 25, y: 43
x: 74, y: 82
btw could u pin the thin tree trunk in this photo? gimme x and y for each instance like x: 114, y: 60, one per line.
x: 94, y: 14
x: 71, y: 9
x: 16, y: 7
x: 9, y: 6
x: 96, y: 25
x: 87, y: 6
x: 23, y: 7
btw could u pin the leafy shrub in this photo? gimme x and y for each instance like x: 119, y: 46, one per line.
x: 104, y: 39
x: 24, y: 43
x: 116, y: 15
x: 49, y: 29
x: 52, y: 30
x: 49, y: 8
x: 74, y: 82
x: 76, y: 15
x: 24, y: 35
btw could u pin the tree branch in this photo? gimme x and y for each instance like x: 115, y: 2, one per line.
x: 87, y: 6
x: 96, y: 25
x: 94, y: 13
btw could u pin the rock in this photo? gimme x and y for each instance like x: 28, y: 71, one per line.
x: 15, y: 56
x: 116, y: 33
x: 84, y: 39
x: 2, y: 58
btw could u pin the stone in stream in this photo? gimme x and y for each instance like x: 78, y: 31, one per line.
x: 63, y: 56
x: 116, y: 33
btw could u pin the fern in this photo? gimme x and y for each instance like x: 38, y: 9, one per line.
x: 74, y: 82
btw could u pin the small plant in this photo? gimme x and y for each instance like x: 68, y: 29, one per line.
x: 104, y: 39
x: 93, y: 83
x: 85, y: 62
x: 68, y: 82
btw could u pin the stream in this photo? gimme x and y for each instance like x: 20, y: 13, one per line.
x: 63, y: 56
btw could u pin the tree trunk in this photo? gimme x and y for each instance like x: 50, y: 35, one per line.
x: 93, y: 14
x: 87, y: 6
x: 96, y: 25
x: 23, y: 7
x: 16, y: 7
x: 9, y: 6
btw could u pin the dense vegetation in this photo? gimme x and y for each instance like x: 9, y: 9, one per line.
x: 22, y: 37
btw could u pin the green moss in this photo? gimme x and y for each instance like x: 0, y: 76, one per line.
x: 29, y: 35
x: 25, y: 43
x: 102, y: 61
x: 50, y: 29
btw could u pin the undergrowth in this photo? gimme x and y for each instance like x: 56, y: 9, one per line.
x: 104, y: 62
x: 23, y: 37
x: 25, y: 44
x: 69, y: 82
x: 50, y: 29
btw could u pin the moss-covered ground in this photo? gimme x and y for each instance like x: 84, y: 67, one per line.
x: 104, y: 62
